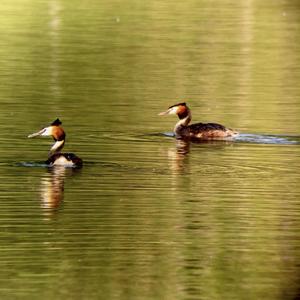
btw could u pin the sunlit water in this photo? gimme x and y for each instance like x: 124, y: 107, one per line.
x: 149, y: 216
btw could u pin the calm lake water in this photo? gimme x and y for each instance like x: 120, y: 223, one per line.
x: 149, y: 217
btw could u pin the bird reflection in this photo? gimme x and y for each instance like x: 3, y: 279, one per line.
x: 182, y: 147
x: 52, y: 188
x: 178, y: 156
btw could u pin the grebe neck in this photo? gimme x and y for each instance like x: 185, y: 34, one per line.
x: 181, y: 125
x: 57, y: 146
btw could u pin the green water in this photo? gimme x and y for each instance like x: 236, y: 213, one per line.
x: 148, y: 217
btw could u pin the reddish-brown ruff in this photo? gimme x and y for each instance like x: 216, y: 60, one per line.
x: 182, y: 111
x: 200, y: 131
x: 58, y: 133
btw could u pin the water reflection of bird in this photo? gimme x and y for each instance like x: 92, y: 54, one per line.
x: 198, y: 131
x: 182, y: 147
x: 52, y: 188
x: 178, y: 157
x: 55, y: 156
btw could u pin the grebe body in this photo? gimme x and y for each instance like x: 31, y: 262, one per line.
x: 198, y: 131
x: 55, y: 156
x: 64, y: 159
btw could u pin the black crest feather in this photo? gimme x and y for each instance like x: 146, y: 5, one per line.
x: 178, y: 104
x: 57, y: 122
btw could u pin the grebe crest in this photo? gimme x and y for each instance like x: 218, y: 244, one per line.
x: 198, y: 131
x: 55, y: 157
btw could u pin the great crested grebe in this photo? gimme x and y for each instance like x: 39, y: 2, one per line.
x: 198, y: 131
x: 55, y: 156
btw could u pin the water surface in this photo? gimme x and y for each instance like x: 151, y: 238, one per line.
x: 149, y: 217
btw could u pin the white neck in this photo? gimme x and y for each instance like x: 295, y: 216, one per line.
x: 181, y: 124
x: 57, y: 146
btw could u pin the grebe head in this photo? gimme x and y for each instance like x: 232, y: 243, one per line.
x: 56, y: 132
x: 180, y: 109
x: 53, y: 130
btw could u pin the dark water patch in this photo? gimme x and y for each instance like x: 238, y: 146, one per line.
x: 41, y: 164
x: 31, y: 164
x: 104, y: 166
x: 166, y: 134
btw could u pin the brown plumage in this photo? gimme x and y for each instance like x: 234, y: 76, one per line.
x: 200, y: 131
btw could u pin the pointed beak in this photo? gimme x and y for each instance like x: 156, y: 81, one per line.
x: 165, y: 112
x: 37, y: 133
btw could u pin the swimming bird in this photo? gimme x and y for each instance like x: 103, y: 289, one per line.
x: 198, y: 131
x: 55, y: 157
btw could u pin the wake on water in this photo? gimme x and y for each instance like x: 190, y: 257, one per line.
x: 267, y: 139
x: 256, y: 139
